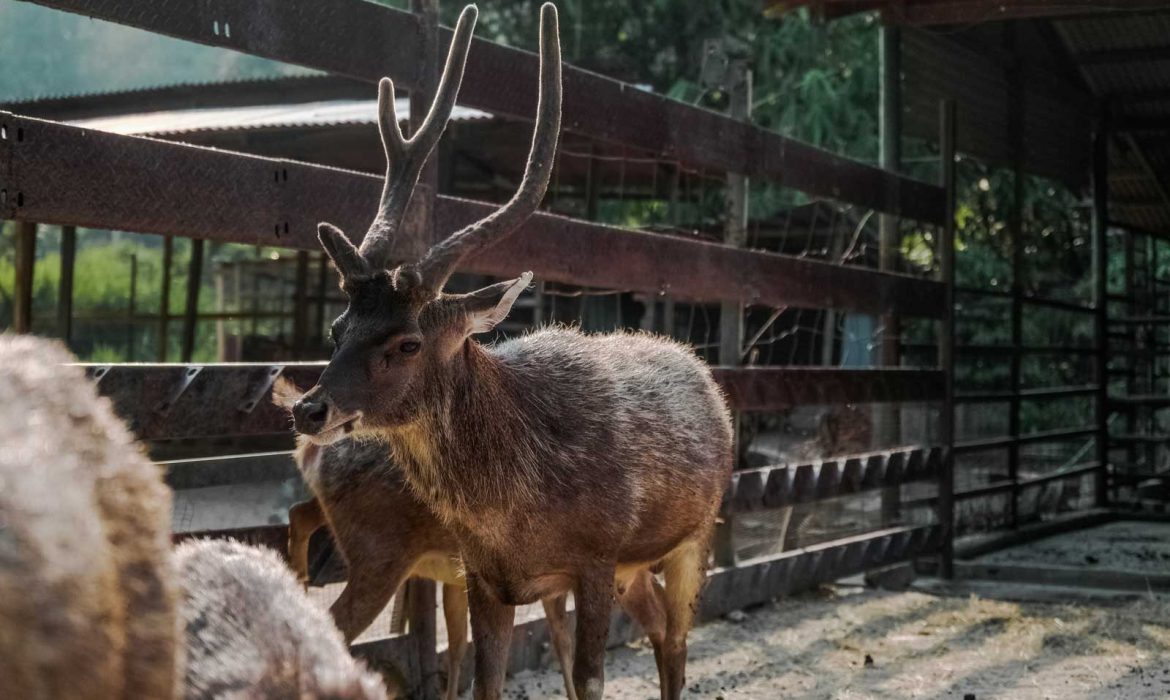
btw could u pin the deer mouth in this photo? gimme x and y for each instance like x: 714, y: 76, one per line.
x: 337, y: 431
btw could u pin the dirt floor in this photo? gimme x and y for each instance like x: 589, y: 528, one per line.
x: 848, y: 643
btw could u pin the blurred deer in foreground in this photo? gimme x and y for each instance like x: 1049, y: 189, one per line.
x: 385, y: 534
x: 561, y: 461
x: 87, y: 593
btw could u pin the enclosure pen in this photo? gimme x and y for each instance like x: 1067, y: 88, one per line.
x: 53, y: 173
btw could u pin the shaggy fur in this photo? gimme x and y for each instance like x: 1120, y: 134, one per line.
x: 87, y: 606
x: 385, y: 534
x: 561, y: 461
x: 252, y: 633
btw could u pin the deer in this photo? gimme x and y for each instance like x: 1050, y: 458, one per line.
x: 563, y: 462
x: 250, y: 631
x: 385, y: 534
x: 88, y: 601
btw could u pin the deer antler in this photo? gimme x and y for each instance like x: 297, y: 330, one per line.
x: 440, y: 261
x: 405, y: 158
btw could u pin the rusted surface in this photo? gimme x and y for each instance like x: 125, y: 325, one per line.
x: 72, y: 176
x: 786, y: 485
x: 773, y: 388
x: 185, y: 401
x: 382, y: 41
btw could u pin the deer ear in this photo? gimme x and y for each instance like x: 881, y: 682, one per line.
x: 344, y: 254
x: 488, y: 306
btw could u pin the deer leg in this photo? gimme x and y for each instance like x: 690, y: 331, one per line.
x: 594, y: 596
x: 372, y: 582
x: 304, y: 519
x: 558, y: 628
x: 455, y: 614
x: 491, y: 627
x: 644, y: 600
x: 685, y: 571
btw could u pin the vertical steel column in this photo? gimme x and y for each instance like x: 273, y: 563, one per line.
x: 1101, y: 289
x: 132, y: 308
x: 322, y: 288
x: 191, y: 310
x: 26, y: 257
x: 301, y: 306
x: 946, y: 342
x: 1134, y: 309
x: 65, y: 284
x: 421, y: 597
x: 1016, y: 231
x: 889, y: 417
x: 731, y: 313
x: 164, y: 302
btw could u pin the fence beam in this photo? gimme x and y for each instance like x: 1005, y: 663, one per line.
x: 191, y: 309
x: 88, y: 178
x: 381, y: 41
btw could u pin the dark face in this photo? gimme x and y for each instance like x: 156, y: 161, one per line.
x: 394, y: 341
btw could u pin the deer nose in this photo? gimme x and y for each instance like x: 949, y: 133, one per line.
x: 310, y: 414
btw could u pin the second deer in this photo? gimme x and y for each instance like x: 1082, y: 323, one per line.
x: 385, y: 534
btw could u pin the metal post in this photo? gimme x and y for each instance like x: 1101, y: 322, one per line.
x: 889, y: 417
x: 1101, y: 298
x: 946, y: 343
x: 220, y: 323
x: 65, y: 284
x: 191, y: 311
x: 26, y: 256
x: 731, y: 320
x: 131, y: 307
x: 301, y: 306
x: 422, y: 597
x: 322, y: 288
x: 164, y: 302
x: 1016, y: 231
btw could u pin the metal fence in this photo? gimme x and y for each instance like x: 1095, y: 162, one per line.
x: 59, y: 174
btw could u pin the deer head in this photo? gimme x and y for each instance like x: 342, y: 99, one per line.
x: 399, y: 328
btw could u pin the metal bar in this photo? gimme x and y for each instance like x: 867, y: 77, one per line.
x: 88, y: 178
x: 1100, y: 232
x: 65, y: 284
x: 191, y: 309
x: 1015, y: 136
x: 164, y: 303
x: 1027, y: 394
x: 211, y: 403
x: 26, y: 257
x: 889, y: 233
x: 993, y: 443
x: 946, y: 343
x: 383, y: 41
x: 131, y: 305
x: 781, y: 486
x: 301, y: 306
x: 731, y: 321
x: 421, y: 595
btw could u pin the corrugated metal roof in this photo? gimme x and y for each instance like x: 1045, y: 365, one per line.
x: 313, y: 114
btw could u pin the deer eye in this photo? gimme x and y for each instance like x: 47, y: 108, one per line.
x: 409, y: 347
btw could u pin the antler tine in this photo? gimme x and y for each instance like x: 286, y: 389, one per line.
x: 405, y: 158
x: 438, y: 264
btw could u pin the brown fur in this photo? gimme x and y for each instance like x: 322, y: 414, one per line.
x: 87, y: 606
x: 385, y: 534
x: 252, y: 633
x: 561, y: 461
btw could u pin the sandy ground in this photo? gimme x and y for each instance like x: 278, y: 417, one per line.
x: 848, y: 644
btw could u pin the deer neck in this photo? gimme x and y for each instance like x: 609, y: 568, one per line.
x: 454, y: 453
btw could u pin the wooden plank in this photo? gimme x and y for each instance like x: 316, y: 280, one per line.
x: 74, y: 176
x: 383, y: 41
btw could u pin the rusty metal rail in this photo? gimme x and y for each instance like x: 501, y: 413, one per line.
x: 366, y: 41
x: 186, y: 401
x: 55, y: 173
